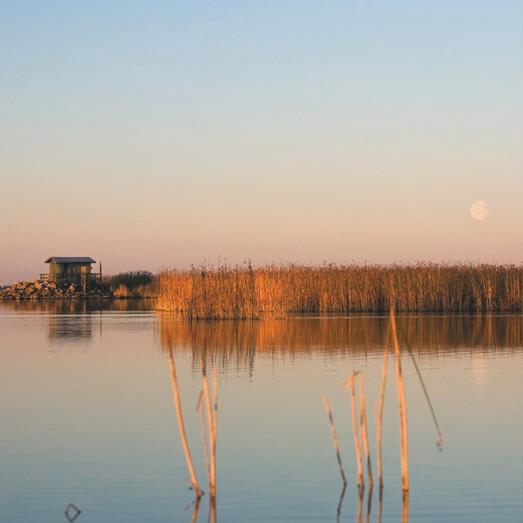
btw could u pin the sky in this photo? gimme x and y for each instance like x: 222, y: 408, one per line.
x: 161, y: 134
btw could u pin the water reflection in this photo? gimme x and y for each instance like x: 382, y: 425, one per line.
x: 405, y: 507
x: 212, y: 512
x: 340, y: 503
x: 65, y: 329
x: 78, y: 423
x: 73, y: 321
x: 236, y: 343
x: 196, y: 510
x: 365, y: 514
x: 76, y: 306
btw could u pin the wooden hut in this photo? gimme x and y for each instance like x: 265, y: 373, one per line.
x: 71, y: 269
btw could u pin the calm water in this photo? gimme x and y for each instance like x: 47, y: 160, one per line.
x: 88, y: 417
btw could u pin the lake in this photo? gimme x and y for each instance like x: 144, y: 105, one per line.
x: 88, y: 415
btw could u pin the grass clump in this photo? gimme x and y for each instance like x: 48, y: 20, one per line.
x: 132, y: 284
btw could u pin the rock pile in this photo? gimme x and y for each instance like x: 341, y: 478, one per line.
x: 38, y: 289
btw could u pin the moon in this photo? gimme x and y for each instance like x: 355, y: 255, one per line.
x: 479, y: 210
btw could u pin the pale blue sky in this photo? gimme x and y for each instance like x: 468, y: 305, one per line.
x: 149, y: 134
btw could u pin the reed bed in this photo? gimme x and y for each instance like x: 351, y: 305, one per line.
x: 244, y: 292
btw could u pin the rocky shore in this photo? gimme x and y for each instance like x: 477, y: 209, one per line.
x: 37, y: 289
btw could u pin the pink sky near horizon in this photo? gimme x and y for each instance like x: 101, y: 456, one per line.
x: 302, y: 206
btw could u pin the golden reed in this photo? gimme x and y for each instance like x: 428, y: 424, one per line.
x: 242, y: 292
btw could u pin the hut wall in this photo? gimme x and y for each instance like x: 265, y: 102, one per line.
x: 70, y: 272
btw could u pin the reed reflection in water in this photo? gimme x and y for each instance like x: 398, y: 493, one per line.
x: 75, y: 306
x: 360, y: 493
x: 212, y: 513
x: 235, y: 344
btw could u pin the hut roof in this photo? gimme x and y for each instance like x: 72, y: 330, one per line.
x: 70, y: 259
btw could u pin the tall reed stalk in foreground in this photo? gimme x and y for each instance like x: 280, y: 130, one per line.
x: 181, y: 427
x: 402, y: 404
x: 212, y: 418
x: 364, y: 435
x: 205, y: 434
x: 439, y: 438
x: 351, y: 383
x: 336, y: 446
x: 359, y: 511
x: 215, y: 421
x: 379, y: 413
